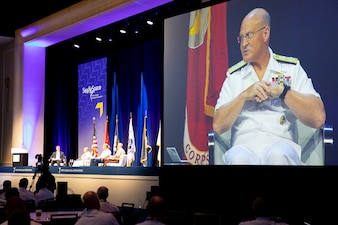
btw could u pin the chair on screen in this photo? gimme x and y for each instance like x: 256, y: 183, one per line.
x: 175, y: 157
x: 312, y: 141
x: 63, y: 219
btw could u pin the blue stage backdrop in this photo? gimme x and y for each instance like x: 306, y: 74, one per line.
x: 92, y: 102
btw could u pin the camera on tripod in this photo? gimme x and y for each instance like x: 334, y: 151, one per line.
x: 39, y: 162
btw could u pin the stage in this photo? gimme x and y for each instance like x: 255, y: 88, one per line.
x: 125, y: 184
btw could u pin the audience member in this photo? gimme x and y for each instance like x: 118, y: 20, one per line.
x: 25, y: 194
x: 16, y: 213
x: 105, y: 206
x: 57, y: 157
x: 47, y: 177
x: 263, y: 212
x: 13, y: 191
x: 155, y: 211
x: 43, y: 193
x: 6, y: 185
x: 92, y: 215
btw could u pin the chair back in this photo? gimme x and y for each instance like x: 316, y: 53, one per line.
x: 48, y: 205
x: 123, y: 160
x: 63, y: 219
x: 127, y: 212
x: 118, y: 217
x: 30, y: 205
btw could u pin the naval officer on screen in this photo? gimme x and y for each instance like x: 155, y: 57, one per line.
x: 261, y: 98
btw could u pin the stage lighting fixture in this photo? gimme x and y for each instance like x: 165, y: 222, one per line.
x: 76, y: 45
x: 99, y: 39
x: 123, y: 31
x: 150, y: 22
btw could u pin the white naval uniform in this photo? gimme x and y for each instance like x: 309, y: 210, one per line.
x: 259, y: 125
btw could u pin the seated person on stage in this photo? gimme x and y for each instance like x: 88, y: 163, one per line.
x: 106, y: 153
x: 86, y: 156
x: 119, y: 152
x: 57, y: 157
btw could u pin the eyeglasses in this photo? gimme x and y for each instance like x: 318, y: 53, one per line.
x: 248, y: 35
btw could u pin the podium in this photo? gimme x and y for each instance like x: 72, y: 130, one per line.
x: 19, y: 157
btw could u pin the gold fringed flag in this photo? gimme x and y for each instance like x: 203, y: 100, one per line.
x: 116, y: 135
x: 146, y: 148
x: 131, y: 150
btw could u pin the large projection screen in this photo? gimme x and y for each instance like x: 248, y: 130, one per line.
x: 298, y: 29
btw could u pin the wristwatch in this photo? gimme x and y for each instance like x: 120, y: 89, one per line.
x: 286, y: 89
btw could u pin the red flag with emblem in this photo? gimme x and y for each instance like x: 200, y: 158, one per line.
x: 207, y: 65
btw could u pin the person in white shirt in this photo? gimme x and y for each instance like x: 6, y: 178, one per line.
x: 92, y: 215
x: 43, y: 194
x: 119, y: 152
x: 262, y: 97
x: 86, y: 154
x: 25, y: 194
x: 106, y: 152
x: 105, y: 206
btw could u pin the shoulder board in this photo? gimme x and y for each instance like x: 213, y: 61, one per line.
x: 285, y: 59
x: 236, y: 67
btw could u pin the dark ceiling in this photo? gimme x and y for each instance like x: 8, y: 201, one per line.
x: 18, y: 14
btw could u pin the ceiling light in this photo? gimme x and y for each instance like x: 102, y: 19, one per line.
x: 123, y: 31
x: 150, y: 22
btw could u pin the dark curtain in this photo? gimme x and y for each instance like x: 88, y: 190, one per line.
x: 128, y: 64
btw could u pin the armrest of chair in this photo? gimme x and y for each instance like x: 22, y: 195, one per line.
x: 217, y: 146
x: 313, y: 142
x: 328, y: 134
